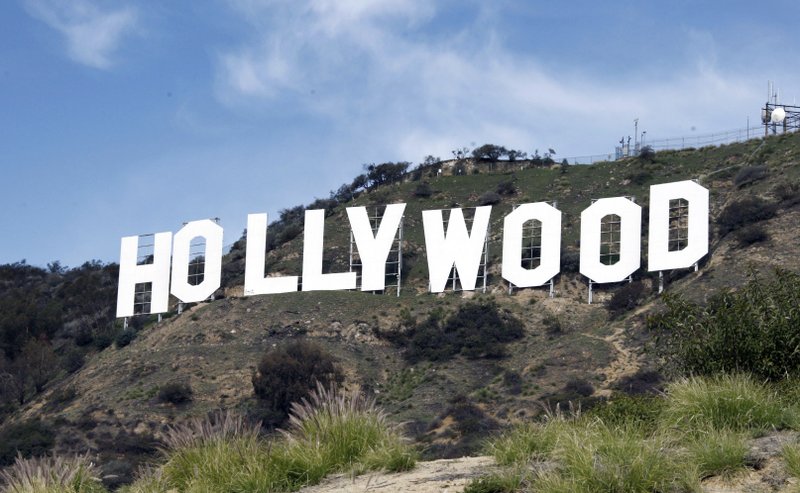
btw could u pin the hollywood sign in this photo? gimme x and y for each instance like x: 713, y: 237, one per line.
x: 453, y: 247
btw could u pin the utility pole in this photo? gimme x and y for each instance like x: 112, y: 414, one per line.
x: 636, y: 135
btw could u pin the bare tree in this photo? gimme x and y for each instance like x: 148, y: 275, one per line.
x: 14, y: 378
x: 40, y: 362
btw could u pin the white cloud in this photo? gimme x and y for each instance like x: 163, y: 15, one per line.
x: 381, y: 71
x: 92, y: 35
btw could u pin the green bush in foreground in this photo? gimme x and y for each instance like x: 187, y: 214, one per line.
x: 622, y: 409
x: 340, y: 429
x: 751, y: 330
x: 597, y: 457
x: 331, y: 432
x: 28, y: 439
x: 593, y: 456
x: 51, y: 475
x: 696, y: 429
x: 725, y: 402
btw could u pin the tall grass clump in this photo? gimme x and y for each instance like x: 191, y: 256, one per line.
x: 332, y: 431
x: 726, y: 402
x: 791, y: 458
x: 148, y: 480
x: 597, y: 457
x: 589, y: 455
x: 530, y: 441
x: 51, y: 475
x: 509, y: 481
x: 626, y: 410
x: 345, y: 429
x: 214, y: 453
x: 718, y: 452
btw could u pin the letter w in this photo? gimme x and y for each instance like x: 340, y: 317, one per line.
x: 456, y: 247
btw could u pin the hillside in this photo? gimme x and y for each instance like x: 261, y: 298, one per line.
x: 568, y: 350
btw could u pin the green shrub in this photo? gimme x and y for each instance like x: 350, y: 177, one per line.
x: 579, y: 386
x: 644, y: 381
x: 639, y: 177
x: 622, y: 410
x: 626, y: 298
x: 63, y: 396
x: 102, y: 339
x: 724, y: 402
x: 479, y: 329
x: 506, y: 188
x: 175, y: 393
x: 648, y: 154
x: 570, y: 261
x: 27, y: 439
x: 750, y: 174
x: 423, y: 190
x: 552, y: 324
x: 72, y: 360
x: 752, y: 330
x: 489, y: 198
x: 513, y: 382
x: 289, y: 373
x: 749, y: 235
x: 788, y: 193
x: 52, y: 475
x: 124, y: 338
x: 745, y: 211
x: 469, y: 419
x: 489, y: 152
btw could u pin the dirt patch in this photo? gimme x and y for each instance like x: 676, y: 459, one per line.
x: 625, y: 364
x: 439, y: 476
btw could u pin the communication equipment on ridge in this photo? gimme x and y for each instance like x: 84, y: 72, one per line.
x: 778, y: 115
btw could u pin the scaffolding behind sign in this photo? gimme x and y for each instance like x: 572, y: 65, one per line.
x: 610, y: 243
x: 143, y: 291
x: 531, y: 248
x: 394, y: 261
x: 678, y: 231
x: 453, y: 279
x: 197, y: 261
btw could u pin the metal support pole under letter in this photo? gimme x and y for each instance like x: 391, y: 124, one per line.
x: 486, y: 256
x: 400, y: 255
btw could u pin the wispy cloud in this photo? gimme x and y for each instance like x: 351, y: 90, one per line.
x: 380, y: 68
x: 92, y: 35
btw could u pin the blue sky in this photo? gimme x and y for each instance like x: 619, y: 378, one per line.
x: 126, y: 117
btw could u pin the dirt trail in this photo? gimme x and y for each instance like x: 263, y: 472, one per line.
x: 625, y: 364
x: 439, y: 476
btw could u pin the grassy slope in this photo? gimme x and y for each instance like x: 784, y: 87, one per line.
x: 216, y: 346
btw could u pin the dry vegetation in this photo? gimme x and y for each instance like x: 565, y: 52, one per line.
x: 456, y: 368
